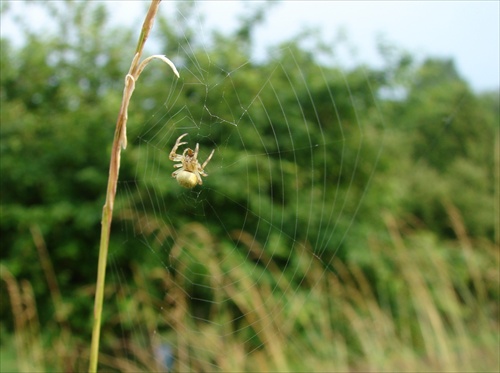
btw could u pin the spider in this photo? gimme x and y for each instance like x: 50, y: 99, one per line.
x: 190, y: 172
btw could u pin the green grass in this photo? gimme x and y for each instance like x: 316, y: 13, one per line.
x: 8, y: 358
x: 420, y: 304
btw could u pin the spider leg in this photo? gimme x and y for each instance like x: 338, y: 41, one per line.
x: 208, y: 160
x: 198, y: 177
x: 196, y: 151
x: 177, y: 158
x: 176, y: 146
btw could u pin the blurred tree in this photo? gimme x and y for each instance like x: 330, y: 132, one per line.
x: 61, y: 90
x: 452, y: 140
x: 59, y: 99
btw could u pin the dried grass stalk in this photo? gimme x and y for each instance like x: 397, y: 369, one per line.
x: 119, y: 142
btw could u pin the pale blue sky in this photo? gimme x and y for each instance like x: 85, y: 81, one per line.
x: 467, y: 31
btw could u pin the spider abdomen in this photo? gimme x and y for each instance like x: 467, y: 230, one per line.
x: 187, y: 179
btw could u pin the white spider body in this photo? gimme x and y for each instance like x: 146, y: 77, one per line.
x: 189, y: 171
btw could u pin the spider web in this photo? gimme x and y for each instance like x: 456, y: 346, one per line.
x: 239, y: 259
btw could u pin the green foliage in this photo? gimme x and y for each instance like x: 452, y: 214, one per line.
x: 55, y: 107
x: 451, y: 136
x: 429, y: 156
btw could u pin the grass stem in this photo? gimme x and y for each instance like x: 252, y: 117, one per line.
x: 119, y: 142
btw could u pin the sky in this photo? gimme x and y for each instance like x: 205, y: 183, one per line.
x: 467, y: 31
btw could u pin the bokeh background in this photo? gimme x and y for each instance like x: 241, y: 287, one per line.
x: 388, y: 260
